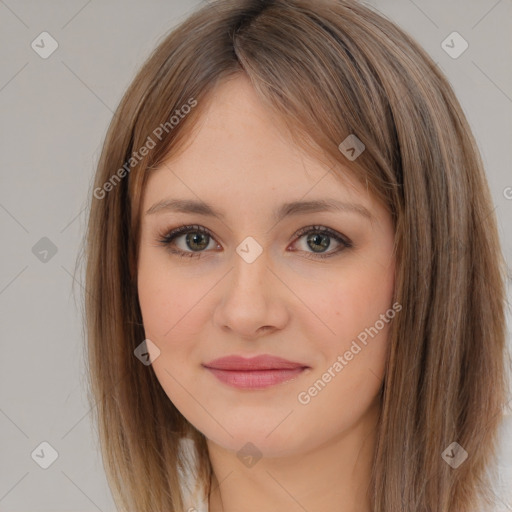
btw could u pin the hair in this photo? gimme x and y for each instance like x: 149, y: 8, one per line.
x: 328, y: 69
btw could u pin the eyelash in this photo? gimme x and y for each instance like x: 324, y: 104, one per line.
x: 167, y: 238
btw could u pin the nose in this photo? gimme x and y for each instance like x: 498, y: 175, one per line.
x: 253, y: 300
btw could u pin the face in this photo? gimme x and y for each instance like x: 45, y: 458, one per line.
x: 306, y: 290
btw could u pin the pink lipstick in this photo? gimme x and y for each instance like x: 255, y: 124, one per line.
x: 256, y: 372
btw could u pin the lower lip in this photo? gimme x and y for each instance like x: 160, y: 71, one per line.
x: 255, y: 379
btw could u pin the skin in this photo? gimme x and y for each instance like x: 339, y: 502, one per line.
x: 315, y: 456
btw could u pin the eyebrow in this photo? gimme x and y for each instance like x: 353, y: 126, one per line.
x: 286, y: 209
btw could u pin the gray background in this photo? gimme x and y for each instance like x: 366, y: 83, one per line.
x: 55, y: 112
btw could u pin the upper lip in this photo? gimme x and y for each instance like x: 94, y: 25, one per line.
x: 262, y: 362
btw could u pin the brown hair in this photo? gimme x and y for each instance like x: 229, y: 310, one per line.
x: 330, y: 69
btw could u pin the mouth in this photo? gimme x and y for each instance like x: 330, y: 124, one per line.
x: 256, y: 372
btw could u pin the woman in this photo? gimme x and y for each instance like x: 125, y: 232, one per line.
x: 295, y: 284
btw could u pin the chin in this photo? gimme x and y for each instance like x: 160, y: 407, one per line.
x: 252, y: 436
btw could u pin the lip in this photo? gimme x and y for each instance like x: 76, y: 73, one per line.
x: 255, y: 372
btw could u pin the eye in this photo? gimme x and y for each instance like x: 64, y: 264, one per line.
x: 197, y: 239
x: 318, y: 239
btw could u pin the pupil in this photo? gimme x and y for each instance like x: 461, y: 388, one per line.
x: 319, y: 239
x: 194, y: 238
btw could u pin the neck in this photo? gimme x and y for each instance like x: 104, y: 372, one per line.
x: 332, y: 477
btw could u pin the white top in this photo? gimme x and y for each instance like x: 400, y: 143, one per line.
x: 501, y: 487
x: 193, y: 500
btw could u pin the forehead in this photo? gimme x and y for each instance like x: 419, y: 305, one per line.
x: 239, y: 147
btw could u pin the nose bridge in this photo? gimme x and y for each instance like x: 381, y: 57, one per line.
x: 250, y: 265
x: 249, y: 300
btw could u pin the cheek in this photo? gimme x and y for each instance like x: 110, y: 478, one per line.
x: 353, y: 365
x: 169, y: 303
x: 172, y: 314
x: 353, y: 301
